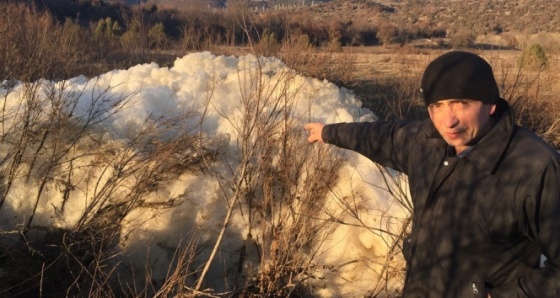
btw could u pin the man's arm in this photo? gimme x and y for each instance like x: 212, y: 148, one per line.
x: 543, y: 222
x: 388, y: 143
x: 541, y: 219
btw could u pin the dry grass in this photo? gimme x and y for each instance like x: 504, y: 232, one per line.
x: 274, y: 184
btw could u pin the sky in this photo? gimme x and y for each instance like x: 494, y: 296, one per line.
x: 212, y: 90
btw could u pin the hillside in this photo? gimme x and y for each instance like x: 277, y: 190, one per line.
x: 480, y: 17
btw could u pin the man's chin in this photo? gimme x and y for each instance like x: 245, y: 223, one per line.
x: 456, y: 143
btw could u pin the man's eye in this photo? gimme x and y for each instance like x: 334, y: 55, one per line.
x: 461, y: 103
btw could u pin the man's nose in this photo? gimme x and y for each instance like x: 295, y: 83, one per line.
x: 450, y: 118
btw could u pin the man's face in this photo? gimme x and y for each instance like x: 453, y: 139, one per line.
x: 461, y: 122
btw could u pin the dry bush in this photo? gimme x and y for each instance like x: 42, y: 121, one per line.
x: 55, y: 143
x: 533, y: 58
x: 276, y: 183
x: 268, y: 45
x: 106, y: 32
x: 386, y: 33
x: 143, y: 33
x: 532, y: 95
x: 202, y: 29
x: 337, y: 67
x: 34, y: 46
x: 331, y: 64
x: 533, y: 111
x: 279, y: 187
x: 462, y: 39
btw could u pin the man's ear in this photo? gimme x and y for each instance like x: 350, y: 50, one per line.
x: 492, y: 109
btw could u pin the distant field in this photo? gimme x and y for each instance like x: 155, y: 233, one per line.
x: 377, y: 63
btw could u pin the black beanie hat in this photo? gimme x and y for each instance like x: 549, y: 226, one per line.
x: 459, y: 75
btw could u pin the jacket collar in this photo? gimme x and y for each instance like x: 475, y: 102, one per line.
x: 489, y: 151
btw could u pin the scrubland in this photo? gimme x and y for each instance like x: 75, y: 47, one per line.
x: 50, y: 138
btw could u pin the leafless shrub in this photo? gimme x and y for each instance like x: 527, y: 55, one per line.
x: 530, y: 93
x: 34, y: 46
x: 297, y: 50
x: 386, y: 33
x: 57, y: 143
x: 268, y: 45
x: 333, y: 64
x: 276, y: 183
x: 393, y: 233
x: 181, y: 270
x: 462, y: 39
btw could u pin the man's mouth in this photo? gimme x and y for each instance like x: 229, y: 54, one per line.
x: 453, y: 134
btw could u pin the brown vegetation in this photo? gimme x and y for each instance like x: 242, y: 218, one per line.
x: 55, y: 45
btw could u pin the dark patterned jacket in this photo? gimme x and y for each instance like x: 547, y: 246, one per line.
x: 481, y: 222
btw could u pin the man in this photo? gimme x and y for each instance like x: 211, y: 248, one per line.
x: 485, y: 191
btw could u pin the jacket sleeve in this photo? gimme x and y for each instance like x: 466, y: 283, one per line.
x: 541, y: 221
x: 386, y: 143
x: 542, y: 208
